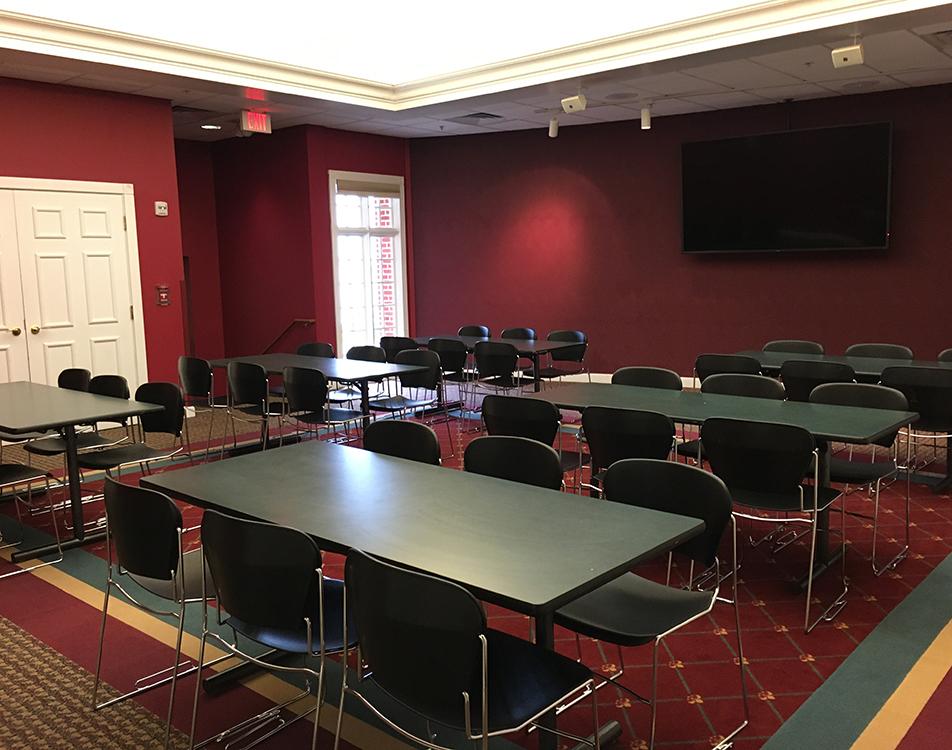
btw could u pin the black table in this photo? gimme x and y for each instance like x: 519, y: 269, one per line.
x: 31, y: 407
x: 866, y: 367
x: 827, y: 423
x: 525, y: 548
x: 530, y: 349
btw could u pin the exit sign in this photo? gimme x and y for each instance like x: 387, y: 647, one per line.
x: 255, y: 122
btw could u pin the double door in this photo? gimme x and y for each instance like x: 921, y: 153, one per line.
x: 65, y: 286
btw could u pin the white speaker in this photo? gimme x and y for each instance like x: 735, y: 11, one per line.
x: 844, y: 57
x: 574, y: 103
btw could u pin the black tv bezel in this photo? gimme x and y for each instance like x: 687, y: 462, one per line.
x: 775, y: 251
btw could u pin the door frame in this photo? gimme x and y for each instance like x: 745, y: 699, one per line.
x: 132, y: 245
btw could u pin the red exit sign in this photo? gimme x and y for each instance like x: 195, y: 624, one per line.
x: 255, y: 122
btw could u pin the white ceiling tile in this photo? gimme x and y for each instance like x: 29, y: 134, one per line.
x: 925, y: 77
x: 812, y: 64
x: 863, y: 85
x: 105, y: 84
x: 676, y: 84
x: 797, y: 91
x: 174, y: 94
x: 728, y: 99
x: 606, y: 113
x: 664, y: 107
x: 899, y: 52
x: 29, y: 73
x: 742, y: 75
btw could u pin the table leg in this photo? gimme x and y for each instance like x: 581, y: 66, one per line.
x: 365, y: 402
x: 536, y: 372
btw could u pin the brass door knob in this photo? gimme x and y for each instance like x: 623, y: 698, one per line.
x: 16, y: 331
x: 34, y: 329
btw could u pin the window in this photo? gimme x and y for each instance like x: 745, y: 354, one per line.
x: 369, y: 264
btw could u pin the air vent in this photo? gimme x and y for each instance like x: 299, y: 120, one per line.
x: 475, y: 118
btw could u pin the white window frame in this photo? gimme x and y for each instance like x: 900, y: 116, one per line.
x: 393, y: 181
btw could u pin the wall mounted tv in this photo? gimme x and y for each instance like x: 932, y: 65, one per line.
x: 822, y: 189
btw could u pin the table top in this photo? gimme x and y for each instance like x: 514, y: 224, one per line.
x: 527, y: 548
x: 865, y: 366
x: 341, y: 370
x: 32, y: 407
x: 845, y: 424
x: 524, y: 346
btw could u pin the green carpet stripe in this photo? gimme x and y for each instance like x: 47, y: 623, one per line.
x: 838, y: 712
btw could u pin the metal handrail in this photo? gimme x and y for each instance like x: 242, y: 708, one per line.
x: 305, y: 322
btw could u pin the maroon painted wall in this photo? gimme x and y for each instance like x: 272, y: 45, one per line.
x: 68, y: 133
x: 583, y: 231
x: 196, y: 185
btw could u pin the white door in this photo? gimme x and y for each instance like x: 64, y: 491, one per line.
x: 14, y: 364
x: 74, y: 267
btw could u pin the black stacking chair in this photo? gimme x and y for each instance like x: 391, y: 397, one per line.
x: 444, y: 663
x: 929, y: 392
x: 496, y: 367
x: 393, y: 345
x: 794, y: 346
x: 881, y: 351
x: 430, y: 379
x: 616, y: 434
x: 868, y: 471
x: 197, y: 379
x: 945, y: 355
x: 717, y: 364
x: 144, y: 545
x: 648, y: 377
x: 269, y: 580
x: 168, y: 422
x: 13, y: 478
x: 307, y: 406
x: 454, y: 361
x: 732, y: 384
x: 634, y: 611
x: 763, y: 466
x: 316, y: 349
x: 517, y: 459
x: 571, y: 360
x: 527, y: 334
x: 352, y: 393
x: 531, y: 418
x: 249, y: 400
x: 480, y: 331
x: 413, y: 441
x: 800, y: 377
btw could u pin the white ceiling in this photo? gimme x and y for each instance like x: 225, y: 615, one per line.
x: 911, y: 49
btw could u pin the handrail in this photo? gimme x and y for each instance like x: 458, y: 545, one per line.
x: 306, y: 322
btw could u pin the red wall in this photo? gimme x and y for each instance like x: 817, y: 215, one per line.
x: 196, y: 185
x: 62, y: 132
x: 583, y: 231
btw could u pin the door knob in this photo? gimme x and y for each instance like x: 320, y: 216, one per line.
x: 34, y: 329
x: 15, y: 331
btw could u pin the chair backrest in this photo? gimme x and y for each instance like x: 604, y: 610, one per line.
x: 757, y: 456
x: 569, y: 353
x: 195, y: 376
x: 247, y: 384
x: 419, y: 635
x: 529, y: 334
x: 945, y: 355
x: 495, y: 358
x: 168, y: 396
x: 367, y: 353
x: 414, y: 441
x: 521, y: 417
x: 74, y: 379
x: 715, y: 364
x: 674, y: 488
x: 795, y: 346
x: 316, y: 349
x: 264, y: 574
x: 753, y: 386
x: 884, y: 351
x: 109, y: 385
x: 143, y: 525
x: 452, y: 353
x: 863, y: 395
x: 428, y: 379
x: 800, y: 377
x: 393, y: 345
x: 928, y: 391
x: 517, y: 459
x: 648, y: 377
x: 480, y: 331
x: 305, y: 390
x: 616, y: 434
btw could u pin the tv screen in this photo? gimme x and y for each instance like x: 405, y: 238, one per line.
x: 823, y: 189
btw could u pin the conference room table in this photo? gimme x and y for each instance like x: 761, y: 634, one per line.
x: 864, y: 367
x: 36, y: 408
x: 827, y: 423
x: 528, y: 549
x: 349, y: 371
x: 533, y: 350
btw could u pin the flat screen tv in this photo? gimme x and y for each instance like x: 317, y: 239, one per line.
x: 822, y: 189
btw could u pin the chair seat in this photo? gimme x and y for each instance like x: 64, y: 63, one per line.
x: 343, y: 395
x: 689, y: 448
x: 192, y: 562
x: 632, y: 610
x: 401, y: 403
x: 53, y: 446
x: 463, y: 376
x: 332, y: 416
x: 19, y: 437
x: 572, y: 460
x: 295, y: 641
x: 786, y: 501
x: 19, y: 474
x: 501, y: 381
x: 857, y: 471
x: 275, y: 408
x: 124, y: 454
x: 554, y: 372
